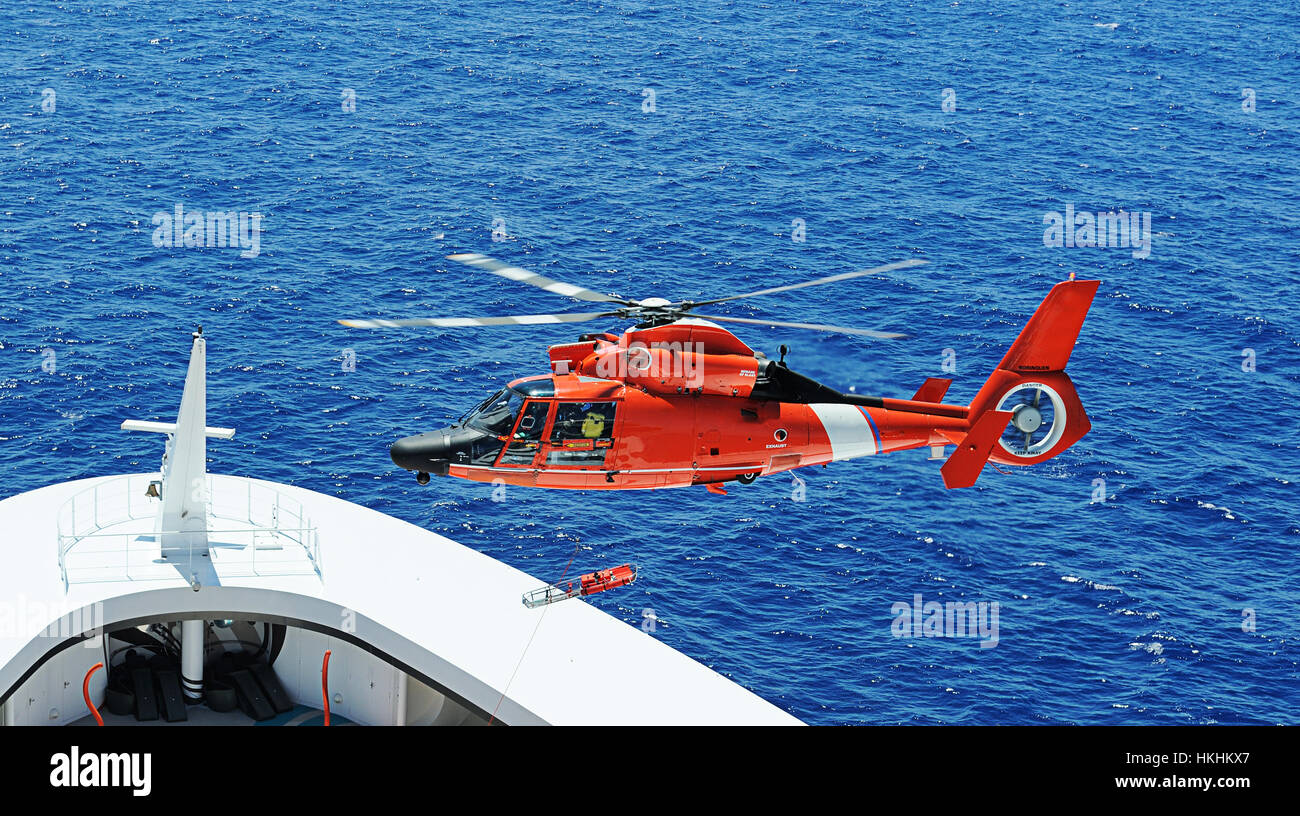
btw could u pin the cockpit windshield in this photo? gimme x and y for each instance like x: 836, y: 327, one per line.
x: 497, y: 414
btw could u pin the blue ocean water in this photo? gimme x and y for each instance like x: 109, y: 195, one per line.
x: 1172, y: 601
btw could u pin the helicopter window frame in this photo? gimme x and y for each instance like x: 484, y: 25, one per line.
x: 498, y: 429
x: 514, y: 450
x: 566, y: 438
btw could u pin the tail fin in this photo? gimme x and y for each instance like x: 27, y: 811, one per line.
x: 1029, y: 399
x: 1048, y: 338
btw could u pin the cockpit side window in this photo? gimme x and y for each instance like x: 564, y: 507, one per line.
x: 527, y: 437
x: 583, y: 433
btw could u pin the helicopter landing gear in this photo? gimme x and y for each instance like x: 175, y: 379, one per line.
x: 747, y: 478
x: 422, y: 478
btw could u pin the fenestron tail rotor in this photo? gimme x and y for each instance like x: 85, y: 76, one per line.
x: 1037, y: 419
x: 646, y: 312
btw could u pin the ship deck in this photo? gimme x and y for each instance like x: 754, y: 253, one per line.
x: 439, y: 610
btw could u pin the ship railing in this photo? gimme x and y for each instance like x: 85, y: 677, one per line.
x: 244, y: 518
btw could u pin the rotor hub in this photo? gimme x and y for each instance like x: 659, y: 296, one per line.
x: 1027, y: 418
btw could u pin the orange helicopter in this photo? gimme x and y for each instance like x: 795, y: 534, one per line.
x: 678, y: 400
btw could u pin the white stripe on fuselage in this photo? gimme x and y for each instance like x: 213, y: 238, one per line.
x: 848, y: 430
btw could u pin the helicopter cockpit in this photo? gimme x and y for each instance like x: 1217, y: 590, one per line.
x: 497, y: 414
x: 507, y: 430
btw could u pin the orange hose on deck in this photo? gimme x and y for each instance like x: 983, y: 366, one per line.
x: 325, y: 685
x: 85, y: 692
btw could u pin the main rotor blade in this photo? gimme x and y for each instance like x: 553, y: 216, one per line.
x: 843, y: 276
x: 459, y: 322
x: 520, y: 275
x: 879, y: 335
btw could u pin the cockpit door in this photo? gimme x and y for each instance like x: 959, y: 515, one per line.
x: 526, y: 439
x: 578, y: 451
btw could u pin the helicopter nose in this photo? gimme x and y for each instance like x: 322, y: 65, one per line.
x: 425, y: 453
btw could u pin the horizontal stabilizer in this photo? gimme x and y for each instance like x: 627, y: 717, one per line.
x: 932, y: 390
x: 965, y: 464
x: 954, y: 437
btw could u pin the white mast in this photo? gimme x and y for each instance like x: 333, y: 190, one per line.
x: 182, y: 524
